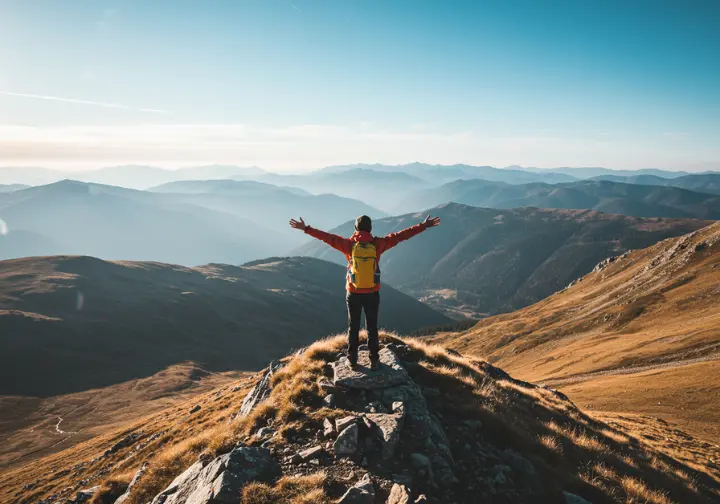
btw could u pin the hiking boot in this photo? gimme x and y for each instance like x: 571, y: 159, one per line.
x: 353, y: 363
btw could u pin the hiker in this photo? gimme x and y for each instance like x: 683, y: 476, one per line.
x: 363, y: 251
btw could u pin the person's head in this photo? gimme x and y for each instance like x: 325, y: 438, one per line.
x: 363, y: 223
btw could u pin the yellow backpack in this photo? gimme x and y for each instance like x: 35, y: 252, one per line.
x: 363, y: 265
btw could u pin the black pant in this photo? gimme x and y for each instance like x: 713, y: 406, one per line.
x: 356, y: 303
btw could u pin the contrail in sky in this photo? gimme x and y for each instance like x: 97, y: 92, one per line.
x: 82, y: 102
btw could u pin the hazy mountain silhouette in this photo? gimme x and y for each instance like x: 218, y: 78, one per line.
x: 605, y: 196
x: 376, y: 188
x: 592, y: 172
x: 704, y: 182
x: 12, y: 187
x: 71, y: 217
x: 268, y: 205
x: 482, y: 261
x: 86, y: 323
x: 441, y: 174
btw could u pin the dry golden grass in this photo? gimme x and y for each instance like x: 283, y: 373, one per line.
x: 288, y: 490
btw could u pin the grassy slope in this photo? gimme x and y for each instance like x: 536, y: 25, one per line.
x: 483, y: 261
x: 640, y: 334
x: 570, y: 449
x: 88, y: 323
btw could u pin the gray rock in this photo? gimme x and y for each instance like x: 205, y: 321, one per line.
x: 390, y: 374
x: 376, y: 407
x: 399, y: 494
x: 126, y: 496
x: 574, y: 499
x: 328, y: 428
x: 347, y: 441
x: 221, y: 480
x: 329, y: 400
x: 363, y: 492
x: 326, y: 385
x: 388, y: 427
x: 422, y: 465
x: 195, y: 409
x: 342, y: 423
x: 311, y: 453
x: 261, y: 390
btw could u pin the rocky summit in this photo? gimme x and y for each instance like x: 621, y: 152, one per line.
x: 429, y: 425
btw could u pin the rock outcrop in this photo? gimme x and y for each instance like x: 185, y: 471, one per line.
x: 262, y: 389
x: 222, y: 479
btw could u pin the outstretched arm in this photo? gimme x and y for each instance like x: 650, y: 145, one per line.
x: 393, y: 239
x: 337, y: 242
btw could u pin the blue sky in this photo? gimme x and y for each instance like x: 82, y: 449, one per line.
x: 298, y: 84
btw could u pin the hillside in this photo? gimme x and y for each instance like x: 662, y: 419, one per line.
x: 267, y: 205
x: 641, y: 333
x: 429, y: 426
x: 604, y: 196
x: 482, y: 261
x: 72, y: 217
x: 89, y: 323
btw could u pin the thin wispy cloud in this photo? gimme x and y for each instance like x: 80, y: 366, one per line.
x: 82, y: 102
x: 295, y: 7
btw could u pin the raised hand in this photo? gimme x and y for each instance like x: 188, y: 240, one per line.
x: 431, y: 221
x: 298, y: 224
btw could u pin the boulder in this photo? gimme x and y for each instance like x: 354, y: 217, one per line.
x: 347, y: 441
x: 390, y: 373
x: 328, y: 428
x: 222, y: 479
x: 342, y: 423
x: 311, y: 453
x: 388, y: 426
x: 261, y: 390
x: 85, y: 495
x: 363, y: 492
x: 400, y: 494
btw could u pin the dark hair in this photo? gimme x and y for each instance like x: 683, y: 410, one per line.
x: 363, y: 223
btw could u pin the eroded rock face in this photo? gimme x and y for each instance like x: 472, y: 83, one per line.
x: 410, y: 416
x: 363, y: 492
x: 347, y: 441
x: 390, y: 373
x: 389, y: 426
x: 261, y: 390
x: 221, y: 480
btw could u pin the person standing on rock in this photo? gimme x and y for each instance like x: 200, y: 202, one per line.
x: 363, y: 251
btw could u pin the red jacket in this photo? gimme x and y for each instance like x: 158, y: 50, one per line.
x: 345, y: 246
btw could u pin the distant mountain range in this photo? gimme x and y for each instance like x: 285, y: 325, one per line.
x: 114, y: 223
x: 187, y: 223
x: 76, y: 323
x: 704, y: 183
x: 482, y: 261
x: 129, y: 176
x: 267, y: 205
x: 601, y: 195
